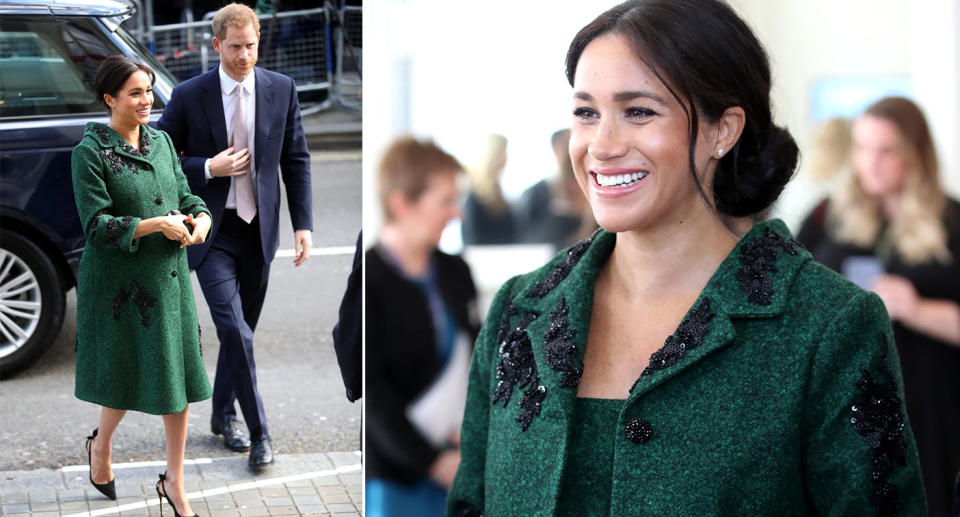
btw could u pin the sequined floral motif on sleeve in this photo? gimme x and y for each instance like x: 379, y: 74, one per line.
x: 758, y: 258
x: 189, y: 208
x: 689, y: 335
x: 561, y: 270
x: 561, y: 351
x: 878, y: 418
x: 96, y: 220
x: 116, y: 227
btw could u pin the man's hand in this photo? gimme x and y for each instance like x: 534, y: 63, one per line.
x: 303, y: 241
x: 229, y: 163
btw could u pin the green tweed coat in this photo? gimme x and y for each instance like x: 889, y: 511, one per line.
x: 138, y: 342
x: 778, y: 394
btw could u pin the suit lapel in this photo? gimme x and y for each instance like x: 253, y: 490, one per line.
x: 212, y: 101
x: 265, y: 107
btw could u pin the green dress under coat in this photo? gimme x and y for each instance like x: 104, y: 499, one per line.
x: 778, y: 394
x: 138, y: 340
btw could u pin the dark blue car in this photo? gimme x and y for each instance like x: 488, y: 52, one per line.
x: 49, y: 53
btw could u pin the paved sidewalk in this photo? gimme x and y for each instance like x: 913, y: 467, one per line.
x: 298, y: 484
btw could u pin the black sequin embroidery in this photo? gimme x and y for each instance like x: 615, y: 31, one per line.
x: 758, y: 258
x: 143, y: 300
x: 504, y: 325
x: 561, y: 351
x: 96, y: 220
x: 561, y: 270
x: 116, y: 227
x: 877, y: 417
x: 145, y: 141
x: 189, y: 208
x: 102, y: 133
x: 530, y: 403
x: 118, y: 163
x: 517, y: 365
x: 689, y: 335
x: 118, y: 300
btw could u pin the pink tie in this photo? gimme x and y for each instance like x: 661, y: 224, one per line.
x: 243, y: 185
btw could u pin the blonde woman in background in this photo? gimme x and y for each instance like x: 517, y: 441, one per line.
x: 487, y: 216
x: 892, y: 228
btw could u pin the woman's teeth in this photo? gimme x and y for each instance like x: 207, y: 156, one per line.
x: 616, y: 180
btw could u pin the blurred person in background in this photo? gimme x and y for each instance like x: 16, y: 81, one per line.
x: 487, y: 216
x: 553, y: 209
x: 891, y: 227
x: 689, y: 358
x: 419, y: 309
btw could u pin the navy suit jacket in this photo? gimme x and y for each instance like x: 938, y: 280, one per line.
x: 195, y: 121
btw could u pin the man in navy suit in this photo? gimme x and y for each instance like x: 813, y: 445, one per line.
x: 238, y: 130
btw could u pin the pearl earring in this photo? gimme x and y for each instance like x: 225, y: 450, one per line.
x: 719, y: 152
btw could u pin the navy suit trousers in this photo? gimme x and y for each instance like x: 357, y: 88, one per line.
x: 233, y: 277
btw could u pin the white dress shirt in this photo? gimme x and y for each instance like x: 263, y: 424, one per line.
x: 227, y: 85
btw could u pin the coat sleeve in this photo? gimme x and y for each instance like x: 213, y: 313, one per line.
x: 188, y: 203
x: 860, y: 453
x: 466, y: 496
x: 102, y: 226
x: 173, y: 122
x: 295, y: 166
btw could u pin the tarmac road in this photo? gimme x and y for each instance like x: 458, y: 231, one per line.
x: 42, y: 425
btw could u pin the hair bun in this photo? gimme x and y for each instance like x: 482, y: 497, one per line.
x: 749, y: 180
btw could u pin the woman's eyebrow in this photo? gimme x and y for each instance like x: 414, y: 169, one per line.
x: 629, y: 96
x: 623, y: 96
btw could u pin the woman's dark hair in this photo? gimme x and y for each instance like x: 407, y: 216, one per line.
x: 114, y: 71
x: 710, y: 60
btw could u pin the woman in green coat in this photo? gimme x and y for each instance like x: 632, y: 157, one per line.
x: 686, y: 359
x: 138, y: 342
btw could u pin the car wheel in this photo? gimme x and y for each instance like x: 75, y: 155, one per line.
x: 32, y: 301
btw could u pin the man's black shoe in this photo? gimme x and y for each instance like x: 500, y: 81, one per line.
x: 234, y: 436
x: 261, y: 454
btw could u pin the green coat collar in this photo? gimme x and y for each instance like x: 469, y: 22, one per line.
x: 752, y: 282
x: 107, y: 138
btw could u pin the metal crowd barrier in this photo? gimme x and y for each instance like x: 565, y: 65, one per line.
x: 294, y: 43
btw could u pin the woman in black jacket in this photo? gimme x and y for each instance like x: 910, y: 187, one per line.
x: 419, y: 305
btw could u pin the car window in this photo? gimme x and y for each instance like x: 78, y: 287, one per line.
x: 48, y: 66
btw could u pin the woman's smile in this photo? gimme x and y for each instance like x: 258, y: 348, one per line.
x: 615, y: 182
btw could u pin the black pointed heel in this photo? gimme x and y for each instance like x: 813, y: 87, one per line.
x: 108, y: 489
x: 163, y: 495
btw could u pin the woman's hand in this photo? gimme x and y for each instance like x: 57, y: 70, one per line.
x: 201, y: 228
x: 898, y: 294
x: 171, y: 226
